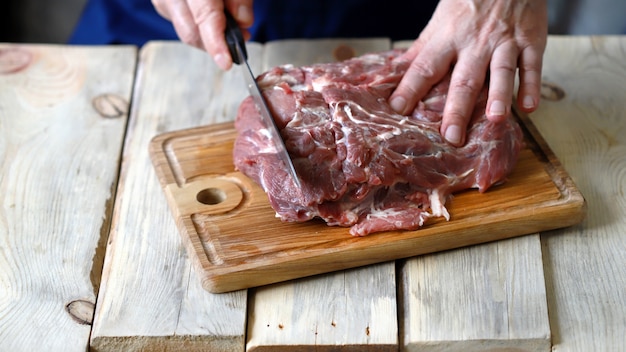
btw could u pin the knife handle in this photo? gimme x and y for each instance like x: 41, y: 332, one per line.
x: 233, y: 37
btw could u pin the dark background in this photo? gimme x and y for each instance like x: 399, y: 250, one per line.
x: 38, y: 21
x: 52, y: 21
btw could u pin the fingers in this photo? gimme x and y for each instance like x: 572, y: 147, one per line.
x: 209, y: 17
x: 529, y: 91
x: 426, y: 69
x: 177, y: 11
x: 201, y: 23
x: 241, y: 11
x: 468, y: 79
x: 211, y: 22
x: 501, y: 82
x: 499, y: 36
x: 161, y: 7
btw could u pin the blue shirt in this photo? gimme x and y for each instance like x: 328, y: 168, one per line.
x: 136, y: 21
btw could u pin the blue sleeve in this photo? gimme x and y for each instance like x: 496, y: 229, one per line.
x: 136, y: 21
x: 121, y: 22
x: 395, y: 19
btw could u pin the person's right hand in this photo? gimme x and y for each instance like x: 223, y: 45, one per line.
x: 201, y: 23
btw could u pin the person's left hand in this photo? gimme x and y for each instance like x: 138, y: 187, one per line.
x: 474, y: 37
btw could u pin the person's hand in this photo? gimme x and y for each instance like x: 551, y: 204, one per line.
x: 476, y: 39
x: 201, y: 23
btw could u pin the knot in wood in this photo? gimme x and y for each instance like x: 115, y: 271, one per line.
x: 110, y: 105
x: 343, y: 52
x: 13, y: 60
x: 552, y: 92
x: 81, y: 311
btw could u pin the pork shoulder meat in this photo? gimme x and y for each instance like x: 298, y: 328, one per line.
x: 361, y: 164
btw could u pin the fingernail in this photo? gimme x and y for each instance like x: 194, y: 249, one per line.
x: 528, y: 102
x: 497, y: 108
x: 222, y: 61
x: 244, y: 14
x: 453, y: 134
x: 398, y: 104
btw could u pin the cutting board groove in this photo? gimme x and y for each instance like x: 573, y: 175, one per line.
x: 234, y: 237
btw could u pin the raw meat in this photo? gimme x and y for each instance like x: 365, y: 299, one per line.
x: 361, y: 164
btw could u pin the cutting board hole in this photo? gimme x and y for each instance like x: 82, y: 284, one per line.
x: 211, y: 196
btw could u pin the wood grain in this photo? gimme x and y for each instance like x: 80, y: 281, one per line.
x: 61, y: 130
x: 59, y: 158
x: 151, y: 297
x: 361, y: 302
x: 354, y: 310
x: 585, y: 265
x: 239, y: 243
x: 181, y: 155
x: 486, y: 297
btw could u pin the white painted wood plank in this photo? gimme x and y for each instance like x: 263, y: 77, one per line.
x: 586, y: 264
x: 151, y: 297
x: 353, y: 310
x: 63, y: 112
x: 490, y: 296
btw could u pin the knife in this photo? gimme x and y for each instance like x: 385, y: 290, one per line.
x: 239, y: 55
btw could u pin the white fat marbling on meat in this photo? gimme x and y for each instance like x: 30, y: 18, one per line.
x: 365, y: 125
x: 266, y: 148
x: 319, y: 84
x: 437, y: 207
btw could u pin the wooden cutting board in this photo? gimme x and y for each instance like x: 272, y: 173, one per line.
x: 234, y: 237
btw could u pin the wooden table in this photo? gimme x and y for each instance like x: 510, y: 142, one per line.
x: 90, y: 256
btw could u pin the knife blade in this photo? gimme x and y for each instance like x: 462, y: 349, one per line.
x: 239, y: 55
